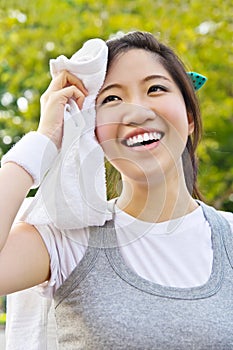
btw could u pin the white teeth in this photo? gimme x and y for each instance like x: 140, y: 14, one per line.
x: 135, y: 140
x: 146, y: 137
x: 143, y: 137
x: 140, y: 138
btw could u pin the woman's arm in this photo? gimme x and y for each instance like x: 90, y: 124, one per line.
x: 24, y: 259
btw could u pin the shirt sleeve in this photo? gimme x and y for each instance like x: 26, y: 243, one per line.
x: 66, y: 249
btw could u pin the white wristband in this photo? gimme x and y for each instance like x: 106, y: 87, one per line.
x: 35, y: 153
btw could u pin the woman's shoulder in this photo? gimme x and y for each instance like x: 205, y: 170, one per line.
x: 228, y: 216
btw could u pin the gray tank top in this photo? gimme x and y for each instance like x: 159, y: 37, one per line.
x: 103, y: 304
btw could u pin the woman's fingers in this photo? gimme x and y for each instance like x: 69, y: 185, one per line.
x: 61, y: 97
x: 64, y: 79
x: 63, y: 87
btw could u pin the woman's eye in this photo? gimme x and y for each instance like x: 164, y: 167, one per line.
x: 111, y: 98
x: 156, y: 88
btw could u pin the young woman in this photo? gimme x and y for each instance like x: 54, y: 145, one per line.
x: 159, y: 274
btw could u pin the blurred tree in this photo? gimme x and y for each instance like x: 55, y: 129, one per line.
x: 32, y: 32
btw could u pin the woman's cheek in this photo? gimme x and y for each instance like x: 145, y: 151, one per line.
x: 103, y: 132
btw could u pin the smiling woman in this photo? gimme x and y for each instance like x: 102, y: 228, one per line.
x: 158, y: 273
x: 175, y: 71
x: 141, y: 103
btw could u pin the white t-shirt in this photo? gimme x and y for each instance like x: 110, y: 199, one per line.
x: 175, y: 253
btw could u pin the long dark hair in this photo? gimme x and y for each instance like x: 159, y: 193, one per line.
x: 175, y: 67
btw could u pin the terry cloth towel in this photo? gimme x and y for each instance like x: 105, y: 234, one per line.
x: 73, y: 193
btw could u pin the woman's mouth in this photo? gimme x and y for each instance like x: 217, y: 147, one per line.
x: 146, y: 139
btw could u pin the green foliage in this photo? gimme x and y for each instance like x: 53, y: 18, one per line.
x: 2, y: 319
x: 32, y: 32
x: 2, y: 310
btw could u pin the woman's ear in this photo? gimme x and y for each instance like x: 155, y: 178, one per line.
x: 190, y: 123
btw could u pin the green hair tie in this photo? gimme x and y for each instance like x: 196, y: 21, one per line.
x: 197, y: 79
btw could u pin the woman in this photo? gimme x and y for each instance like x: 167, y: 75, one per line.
x: 158, y: 275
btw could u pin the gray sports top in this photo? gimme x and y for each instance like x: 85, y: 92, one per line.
x: 103, y: 304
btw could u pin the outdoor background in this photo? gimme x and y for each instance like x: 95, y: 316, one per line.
x: 32, y: 32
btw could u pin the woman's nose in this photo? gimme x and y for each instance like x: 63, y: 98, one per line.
x: 136, y: 114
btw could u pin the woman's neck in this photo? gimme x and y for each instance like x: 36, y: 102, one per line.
x: 157, y: 202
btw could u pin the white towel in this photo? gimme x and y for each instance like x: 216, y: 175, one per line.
x: 73, y: 193
x: 31, y: 323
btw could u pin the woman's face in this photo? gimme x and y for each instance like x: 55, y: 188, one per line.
x: 142, y: 122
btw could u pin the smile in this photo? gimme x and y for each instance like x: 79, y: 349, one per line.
x: 147, y: 138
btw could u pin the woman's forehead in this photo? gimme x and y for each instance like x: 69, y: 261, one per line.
x: 135, y: 63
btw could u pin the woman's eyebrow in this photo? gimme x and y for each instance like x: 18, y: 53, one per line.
x: 108, y: 87
x: 156, y: 76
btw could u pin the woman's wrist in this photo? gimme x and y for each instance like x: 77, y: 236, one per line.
x: 35, y: 153
x: 55, y: 137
